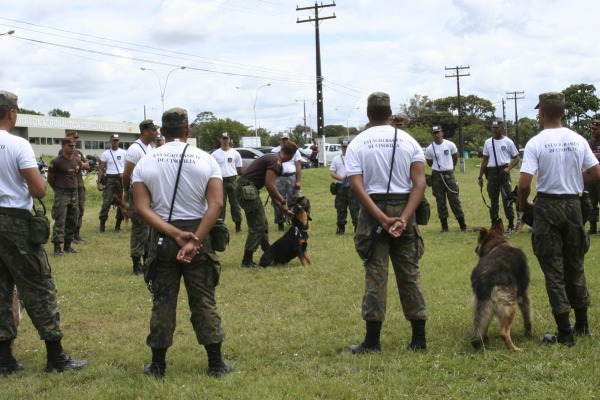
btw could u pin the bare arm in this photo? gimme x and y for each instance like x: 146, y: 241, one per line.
x: 482, y: 168
x: 454, y: 160
x: 84, y: 162
x: 524, y: 190
x: 126, y: 179
x: 101, y: 171
x: 429, y: 161
x: 35, y: 183
x: 298, y: 174
x: 591, y: 175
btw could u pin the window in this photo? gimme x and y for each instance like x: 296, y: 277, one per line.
x: 34, y: 140
x: 43, y: 141
x: 56, y: 141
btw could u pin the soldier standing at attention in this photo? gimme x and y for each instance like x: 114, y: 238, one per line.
x: 186, y: 250
x: 138, y: 244
x: 112, y: 163
x: 442, y: 156
x: 594, y: 188
x: 387, y: 175
x: 230, y: 162
x: 23, y: 263
x: 62, y: 178
x: 344, y: 199
x: 558, y: 155
x: 81, y: 192
x: 500, y: 156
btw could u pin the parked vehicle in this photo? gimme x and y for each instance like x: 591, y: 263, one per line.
x: 43, y: 168
x: 304, y: 161
x: 331, y: 150
x: 249, y: 154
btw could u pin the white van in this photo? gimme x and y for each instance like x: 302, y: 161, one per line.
x: 331, y: 150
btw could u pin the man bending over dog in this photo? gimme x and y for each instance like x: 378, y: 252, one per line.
x: 559, y: 240
x: 262, y: 172
x: 387, y: 176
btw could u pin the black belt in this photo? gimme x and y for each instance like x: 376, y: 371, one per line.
x: 450, y: 172
x: 15, y: 212
x: 558, y: 196
x: 289, y: 174
x: 65, y: 190
x: 113, y: 175
x: 229, y: 178
x: 497, y: 168
x: 390, y: 196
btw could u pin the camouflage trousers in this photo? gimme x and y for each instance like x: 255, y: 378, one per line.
x: 200, y: 278
x: 258, y: 227
x: 81, y: 198
x: 229, y: 193
x: 286, y: 186
x: 26, y: 265
x: 594, y: 191
x: 560, y: 242
x: 499, y: 185
x: 344, y: 200
x: 65, y: 213
x: 113, y: 185
x: 448, y: 190
x: 138, y: 244
x: 404, y: 253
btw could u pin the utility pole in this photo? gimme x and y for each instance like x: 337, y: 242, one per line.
x: 515, y: 98
x: 504, y: 117
x: 316, y: 20
x: 461, y: 144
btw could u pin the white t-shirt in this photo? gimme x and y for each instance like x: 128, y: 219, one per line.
x: 288, y: 166
x: 338, y: 165
x: 136, y: 151
x: 228, y: 160
x: 558, y: 157
x: 158, y: 171
x: 444, y: 152
x: 505, y: 151
x: 370, y: 154
x: 15, y: 154
x: 117, y: 165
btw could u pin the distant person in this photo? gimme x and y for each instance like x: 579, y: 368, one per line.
x: 230, y: 162
x: 62, y: 178
x: 138, y: 243
x: 389, y: 183
x: 261, y: 173
x: 344, y: 198
x: 594, y: 188
x: 23, y: 263
x: 186, y: 249
x: 314, y: 153
x: 112, y: 163
x: 558, y: 155
x: 398, y: 121
x: 289, y: 182
x: 160, y: 140
x: 81, y: 190
x: 500, y: 156
x: 442, y: 156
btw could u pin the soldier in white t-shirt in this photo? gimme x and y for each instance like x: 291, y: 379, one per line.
x: 230, y: 162
x: 500, y: 156
x: 559, y: 240
x: 138, y: 243
x: 389, y: 192
x: 112, y: 164
x: 344, y: 198
x: 442, y: 156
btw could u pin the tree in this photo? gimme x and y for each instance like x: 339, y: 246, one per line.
x: 203, y: 117
x: 208, y: 134
x: 57, y: 112
x: 334, y: 130
x: 579, y: 101
x: 29, y: 112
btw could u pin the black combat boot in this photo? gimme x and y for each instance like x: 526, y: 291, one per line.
x: 511, y: 226
x: 158, y: 367
x: 280, y: 226
x: 77, y: 236
x: 444, y: 222
x: 371, y: 342
x: 581, y: 327
x: 216, y: 366
x: 418, y: 341
x: 102, y: 227
x: 57, y: 250
x: 564, y: 334
x: 341, y: 229
x: 137, y: 265
x: 238, y: 226
x: 593, y: 228
x: 57, y: 361
x: 69, y: 249
x: 118, y: 225
x: 8, y: 364
x: 247, y: 260
x: 462, y: 224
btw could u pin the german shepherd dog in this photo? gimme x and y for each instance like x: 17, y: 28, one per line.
x: 295, y: 241
x: 500, y: 282
x: 117, y: 201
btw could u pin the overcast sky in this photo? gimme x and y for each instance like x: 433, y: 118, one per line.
x: 85, y: 56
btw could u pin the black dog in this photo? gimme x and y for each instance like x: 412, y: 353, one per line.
x: 294, y: 242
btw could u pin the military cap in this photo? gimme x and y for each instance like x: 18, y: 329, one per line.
x: 378, y: 99
x: 147, y: 124
x: 225, y: 135
x: 497, y: 123
x: 114, y: 136
x: 345, y: 143
x: 285, y: 136
x: 436, y: 128
x: 551, y: 98
x: 159, y: 137
x: 8, y: 99
x: 175, y: 118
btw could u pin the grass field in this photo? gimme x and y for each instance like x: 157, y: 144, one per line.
x: 287, y: 328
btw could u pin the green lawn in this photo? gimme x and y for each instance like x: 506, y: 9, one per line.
x: 287, y: 328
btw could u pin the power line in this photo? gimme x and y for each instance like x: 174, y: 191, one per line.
x: 461, y: 145
x: 515, y: 98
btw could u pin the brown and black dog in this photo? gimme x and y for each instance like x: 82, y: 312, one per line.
x: 118, y: 202
x: 295, y: 241
x: 500, y: 282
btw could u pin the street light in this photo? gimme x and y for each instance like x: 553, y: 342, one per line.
x: 254, y: 105
x: 160, y: 86
x: 7, y: 33
x: 348, y: 119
